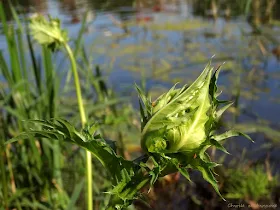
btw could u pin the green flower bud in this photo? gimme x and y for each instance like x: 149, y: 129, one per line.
x: 179, y: 127
x: 178, y: 118
x: 48, y: 31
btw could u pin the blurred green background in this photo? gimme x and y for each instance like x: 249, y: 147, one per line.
x: 155, y: 44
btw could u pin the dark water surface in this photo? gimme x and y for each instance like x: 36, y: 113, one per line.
x: 164, y: 43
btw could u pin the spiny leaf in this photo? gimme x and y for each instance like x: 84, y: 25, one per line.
x: 144, y: 119
x: 127, y: 176
x: 125, y: 179
x: 155, y: 172
x: 145, y: 111
x: 203, y: 154
x: 185, y: 173
x: 229, y: 134
x: 205, y: 169
x: 22, y: 136
x: 213, y: 84
x: 218, y: 146
x: 222, y: 110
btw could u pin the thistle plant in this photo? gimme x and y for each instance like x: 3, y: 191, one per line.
x: 182, y: 124
x: 49, y: 33
x: 176, y: 129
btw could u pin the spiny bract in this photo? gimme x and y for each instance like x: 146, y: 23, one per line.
x: 178, y: 119
x: 181, y: 125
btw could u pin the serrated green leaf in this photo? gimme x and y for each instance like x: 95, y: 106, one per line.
x: 218, y: 146
x: 127, y: 176
x: 203, y: 154
x: 22, y: 136
x: 125, y: 179
x: 222, y: 110
x: 213, y: 84
x: 143, y: 115
x: 185, y: 173
x: 155, y: 172
x: 208, y: 176
x: 229, y: 134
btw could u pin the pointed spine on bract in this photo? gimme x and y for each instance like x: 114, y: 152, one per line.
x: 182, y: 123
x: 178, y: 118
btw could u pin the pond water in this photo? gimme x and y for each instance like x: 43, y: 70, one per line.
x: 158, y: 43
x: 164, y: 42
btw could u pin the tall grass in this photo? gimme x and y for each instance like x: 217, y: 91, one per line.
x: 37, y: 166
x: 35, y: 173
x: 22, y: 99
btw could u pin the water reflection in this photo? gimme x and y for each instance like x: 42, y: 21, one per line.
x: 40, y: 6
x: 71, y: 6
x: 259, y: 11
x: 166, y: 42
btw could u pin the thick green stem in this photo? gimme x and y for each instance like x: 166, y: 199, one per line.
x: 83, y: 121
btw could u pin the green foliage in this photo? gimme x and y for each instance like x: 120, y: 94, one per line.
x: 190, y: 113
x: 31, y: 171
x: 48, y: 32
x: 127, y: 176
x: 182, y: 123
x: 21, y: 99
x: 177, y: 129
x: 249, y: 184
